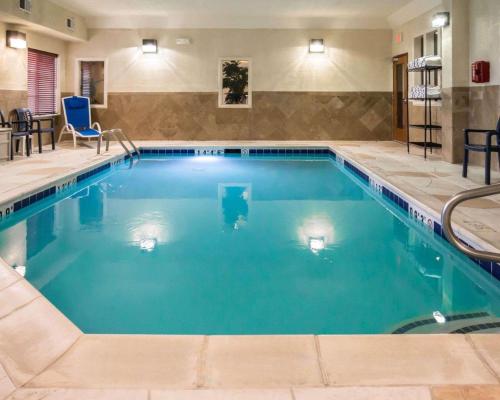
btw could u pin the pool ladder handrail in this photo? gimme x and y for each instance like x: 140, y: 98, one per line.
x: 448, y: 229
x: 116, y: 133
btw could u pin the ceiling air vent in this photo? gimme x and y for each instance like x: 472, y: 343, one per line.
x: 25, y: 5
x: 70, y: 23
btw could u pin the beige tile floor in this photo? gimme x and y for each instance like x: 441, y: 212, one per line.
x: 44, y: 356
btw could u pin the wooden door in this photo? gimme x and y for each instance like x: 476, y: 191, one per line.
x: 400, y: 97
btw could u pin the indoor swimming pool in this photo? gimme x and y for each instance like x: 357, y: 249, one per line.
x: 264, y: 244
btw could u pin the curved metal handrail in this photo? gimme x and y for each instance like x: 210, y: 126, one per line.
x: 448, y: 229
x: 116, y: 133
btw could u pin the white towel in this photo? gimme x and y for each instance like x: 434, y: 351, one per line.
x: 418, y: 92
x: 427, y: 61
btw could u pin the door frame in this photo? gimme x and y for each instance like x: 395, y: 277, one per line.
x: 405, y: 99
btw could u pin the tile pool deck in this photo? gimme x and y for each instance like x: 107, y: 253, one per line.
x: 43, y: 355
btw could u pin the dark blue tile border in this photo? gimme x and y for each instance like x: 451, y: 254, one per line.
x: 32, y: 199
x: 489, y: 266
x: 165, y: 151
x: 397, y: 200
x: 357, y: 171
x: 288, y: 151
x: 478, y: 327
x: 92, y: 172
x: 431, y: 321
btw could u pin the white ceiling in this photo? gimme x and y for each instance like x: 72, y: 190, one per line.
x: 368, y: 14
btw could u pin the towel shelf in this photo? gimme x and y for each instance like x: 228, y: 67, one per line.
x: 427, y: 99
x: 423, y: 126
x: 428, y: 68
x: 427, y: 144
x: 427, y: 126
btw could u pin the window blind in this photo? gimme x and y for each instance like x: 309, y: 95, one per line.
x: 42, y: 82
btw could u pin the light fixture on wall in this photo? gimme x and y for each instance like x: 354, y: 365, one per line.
x: 149, y: 46
x: 441, y: 19
x: 16, y: 39
x: 316, y: 46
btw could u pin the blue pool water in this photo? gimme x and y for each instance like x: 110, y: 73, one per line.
x: 228, y: 245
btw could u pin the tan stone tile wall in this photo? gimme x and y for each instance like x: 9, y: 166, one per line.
x: 416, y: 114
x: 484, y: 112
x: 274, y: 116
x: 10, y: 99
x: 454, y: 117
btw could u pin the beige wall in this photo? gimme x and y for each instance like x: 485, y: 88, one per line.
x: 13, y: 62
x: 357, y: 60
x: 485, y: 35
x: 13, y: 69
x: 45, y: 16
x: 484, y: 109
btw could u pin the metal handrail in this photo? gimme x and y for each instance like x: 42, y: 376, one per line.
x: 448, y: 229
x: 116, y: 133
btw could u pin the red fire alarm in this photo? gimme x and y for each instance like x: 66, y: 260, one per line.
x: 480, y: 72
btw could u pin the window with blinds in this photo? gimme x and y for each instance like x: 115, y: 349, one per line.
x: 85, y: 79
x: 42, y: 82
x: 92, y: 81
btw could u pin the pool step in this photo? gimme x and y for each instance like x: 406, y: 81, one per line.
x: 458, y: 323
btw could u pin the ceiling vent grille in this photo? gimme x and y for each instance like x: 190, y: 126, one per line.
x: 70, y: 23
x: 25, y: 5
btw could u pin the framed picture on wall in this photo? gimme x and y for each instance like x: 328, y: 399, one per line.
x: 91, y: 81
x: 235, y: 82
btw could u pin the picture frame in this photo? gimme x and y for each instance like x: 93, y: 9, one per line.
x: 235, y: 82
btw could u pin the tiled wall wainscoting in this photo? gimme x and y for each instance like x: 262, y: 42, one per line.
x: 11, y: 99
x: 484, y: 110
x: 273, y: 116
x: 377, y: 185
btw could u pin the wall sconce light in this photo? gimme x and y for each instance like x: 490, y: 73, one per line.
x: 16, y: 40
x: 316, y: 46
x: 441, y: 19
x: 149, y: 46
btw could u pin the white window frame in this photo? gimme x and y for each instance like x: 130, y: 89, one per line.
x: 77, y: 85
x: 219, y: 84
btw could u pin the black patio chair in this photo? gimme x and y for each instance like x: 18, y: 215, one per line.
x: 37, y: 127
x: 22, y: 127
x: 486, y: 148
x: 3, y: 122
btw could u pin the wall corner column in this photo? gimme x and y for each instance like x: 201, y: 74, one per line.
x: 455, y: 82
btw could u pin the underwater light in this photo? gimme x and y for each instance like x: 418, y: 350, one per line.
x: 440, y: 318
x: 317, y: 244
x: 20, y: 269
x: 147, y: 244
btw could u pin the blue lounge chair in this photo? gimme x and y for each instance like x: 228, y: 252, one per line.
x: 78, y: 120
